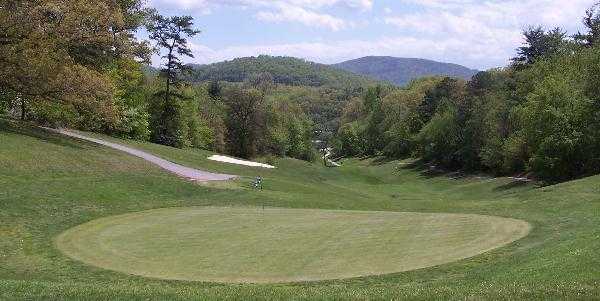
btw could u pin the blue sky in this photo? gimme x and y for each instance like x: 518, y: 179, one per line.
x: 477, y: 34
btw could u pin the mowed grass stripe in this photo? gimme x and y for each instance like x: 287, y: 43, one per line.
x: 240, y: 245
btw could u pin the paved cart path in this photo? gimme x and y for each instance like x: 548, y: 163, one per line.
x: 189, y: 173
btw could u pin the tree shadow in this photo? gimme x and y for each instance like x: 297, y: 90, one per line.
x: 381, y: 160
x: 21, y: 128
x: 512, y: 185
x: 430, y: 171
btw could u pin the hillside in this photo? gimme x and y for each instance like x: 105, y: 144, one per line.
x: 401, y: 71
x: 285, y: 70
x: 79, y: 182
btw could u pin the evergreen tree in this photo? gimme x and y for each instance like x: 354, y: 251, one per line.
x: 592, y: 22
x: 539, y: 43
x: 170, y: 34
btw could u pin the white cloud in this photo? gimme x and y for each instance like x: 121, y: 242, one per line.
x: 316, y: 4
x: 478, y: 34
x: 306, y: 4
x: 289, y: 13
x: 306, y: 12
x: 491, y: 26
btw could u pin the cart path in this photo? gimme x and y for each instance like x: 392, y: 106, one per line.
x: 189, y: 173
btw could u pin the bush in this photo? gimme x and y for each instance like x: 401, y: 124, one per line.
x: 350, y: 140
x: 441, y: 139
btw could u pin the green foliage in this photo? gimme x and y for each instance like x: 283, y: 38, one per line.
x: 284, y: 70
x: 591, y: 21
x: 540, y: 43
x: 245, y: 121
x: 375, y: 117
x: 6, y: 100
x: 178, y: 122
x: 351, y: 141
x: 175, y: 119
x: 557, y: 122
x: 170, y: 34
x: 441, y: 138
x: 130, y: 100
x: 401, y: 117
x: 54, y: 54
x: 290, y: 131
x: 543, y: 120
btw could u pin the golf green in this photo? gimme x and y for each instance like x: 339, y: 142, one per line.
x: 256, y: 245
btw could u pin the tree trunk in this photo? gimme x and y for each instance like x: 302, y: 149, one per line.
x: 23, y: 109
x: 169, y: 64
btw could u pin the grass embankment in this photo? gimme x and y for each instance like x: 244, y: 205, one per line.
x: 49, y: 184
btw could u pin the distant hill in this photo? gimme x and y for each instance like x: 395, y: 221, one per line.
x: 285, y: 70
x: 401, y: 71
x: 150, y: 71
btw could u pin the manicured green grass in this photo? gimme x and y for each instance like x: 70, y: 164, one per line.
x: 270, y: 245
x: 49, y: 184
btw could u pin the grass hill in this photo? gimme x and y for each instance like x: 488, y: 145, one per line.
x: 401, y: 71
x: 49, y: 184
x: 285, y: 70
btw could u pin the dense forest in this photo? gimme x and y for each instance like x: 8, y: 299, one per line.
x: 284, y: 70
x: 539, y: 116
x: 78, y: 64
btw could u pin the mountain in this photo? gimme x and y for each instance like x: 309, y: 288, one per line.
x: 401, y: 71
x: 285, y: 70
x: 150, y: 71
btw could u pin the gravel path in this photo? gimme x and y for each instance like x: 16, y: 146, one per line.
x: 180, y: 170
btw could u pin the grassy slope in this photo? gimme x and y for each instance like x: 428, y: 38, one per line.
x: 49, y: 184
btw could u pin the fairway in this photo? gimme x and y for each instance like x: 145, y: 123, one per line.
x: 255, y: 245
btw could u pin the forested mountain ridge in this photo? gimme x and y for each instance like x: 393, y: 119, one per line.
x: 401, y: 71
x: 284, y: 70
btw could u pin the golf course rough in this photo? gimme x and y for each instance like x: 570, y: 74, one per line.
x: 273, y: 245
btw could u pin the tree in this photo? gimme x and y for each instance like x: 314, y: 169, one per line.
x: 170, y: 34
x: 245, y: 121
x: 592, y: 22
x: 261, y: 81
x: 53, y: 55
x: 402, y: 123
x: 539, y: 43
x: 489, y: 126
x: 289, y: 132
x: 444, y: 90
x: 213, y: 112
x: 373, y: 132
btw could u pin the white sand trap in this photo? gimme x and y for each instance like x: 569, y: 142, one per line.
x: 226, y: 159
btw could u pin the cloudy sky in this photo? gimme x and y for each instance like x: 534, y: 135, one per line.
x: 477, y: 34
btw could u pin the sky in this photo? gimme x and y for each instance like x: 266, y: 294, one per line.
x: 476, y: 34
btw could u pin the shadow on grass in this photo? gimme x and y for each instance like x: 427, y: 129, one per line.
x: 430, y: 171
x: 26, y: 129
x: 512, y: 185
x: 382, y: 161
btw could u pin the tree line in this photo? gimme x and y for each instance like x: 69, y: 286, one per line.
x: 540, y: 115
x: 78, y: 64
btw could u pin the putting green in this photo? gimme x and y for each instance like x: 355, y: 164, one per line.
x: 281, y: 245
